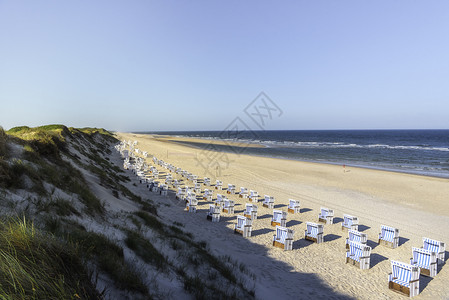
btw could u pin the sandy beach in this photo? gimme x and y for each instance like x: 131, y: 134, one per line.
x: 417, y: 205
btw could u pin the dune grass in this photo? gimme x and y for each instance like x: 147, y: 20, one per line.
x: 3, y: 139
x: 34, y: 265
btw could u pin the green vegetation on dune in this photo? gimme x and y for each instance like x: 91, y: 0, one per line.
x: 35, y: 265
x: 47, y: 164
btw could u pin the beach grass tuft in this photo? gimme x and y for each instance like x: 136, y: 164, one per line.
x: 35, y: 265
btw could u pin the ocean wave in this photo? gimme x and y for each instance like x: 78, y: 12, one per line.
x: 315, y: 144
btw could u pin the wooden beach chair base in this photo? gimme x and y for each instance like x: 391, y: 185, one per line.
x: 245, y: 233
x: 353, y: 262
x: 399, y: 288
x: 274, y: 224
x: 326, y: 221
x: 267, y: 205
x: 247, y: 216
x: 309, y: 238
x: 278, y: 245
x: 425, y: 272
x: 291, y: 210
x: 387, y: 244
x: 287, y: 246
x: 228, y: 210
x: 364, y: 262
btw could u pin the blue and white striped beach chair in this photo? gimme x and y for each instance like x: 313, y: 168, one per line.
x: 294, y: 206
x: 243, y: 192
x: 219, y: 185
x: 219, y: 200
x: 197, y: 188
x: 164, y: 190
x: 214, y: 213
x: 426, y: 260
x: 279, y: 218
x: 436, y: 246
x: 253, y: 196
x: 326, y: 215
x: 404, y: 278
x: 228, y: 206
x: 356, y: 236
x: 207, y: 195
x: 389, y: 236
x: 231, y: 189
x: 314, y: 232
x: 250, y: 211
x: 181, y: 194
x: 358, y: 255
x: 350, y: 222
x: 243, y: 226
x: 191, y: 205
x: 268, y: 201
x: 283, y: 238
x: 206, y: 181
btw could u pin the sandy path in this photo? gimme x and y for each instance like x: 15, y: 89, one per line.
x: 416, y: 205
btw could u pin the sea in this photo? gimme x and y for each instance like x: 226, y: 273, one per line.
x: 423, y: 152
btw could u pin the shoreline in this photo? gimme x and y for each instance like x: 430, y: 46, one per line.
x: 190, y: 141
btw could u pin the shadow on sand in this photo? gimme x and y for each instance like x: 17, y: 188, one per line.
x: 377, y: 258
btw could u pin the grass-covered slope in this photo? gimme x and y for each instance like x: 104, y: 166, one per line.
x: 72, y: 225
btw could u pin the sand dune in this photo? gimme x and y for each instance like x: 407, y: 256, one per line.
x: 417, y: 205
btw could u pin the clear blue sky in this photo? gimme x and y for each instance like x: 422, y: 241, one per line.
x: 195, y: 65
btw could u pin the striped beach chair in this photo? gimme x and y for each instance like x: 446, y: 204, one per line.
x: 426, y: 260
x: 219, y: 185
x: 404, y: 278
x: 356, y: 236
x: 389, y: 236
x: 314, y: 232
x: 358, y: 255
x: 326, y: 215
x: 250, y: 211
x: 168, y: 180
x: 191, y: 205
x: 436, y: 246
x: 228, y: 206
x: 164, y: 190
x: 207, y: 195
x: 155, y: 188
x: 294, y: 206
x: 220, y: 199
x: 350, y: 223
x: 268, y: 202
x: 231, y: 189
x: 243, y: 226
x: 190, y: 194
x: 181, y: 193
x: 243, y: 192
x: 253, y: 196
x: 206, y: 181
x: 283, y: 238
x: 279, y: 218
x: 214, y: 213
x: 197, y: 188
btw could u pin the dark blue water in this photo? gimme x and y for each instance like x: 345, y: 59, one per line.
x: 424, y: 152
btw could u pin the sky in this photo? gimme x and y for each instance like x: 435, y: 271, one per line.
x: 196, y: 65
